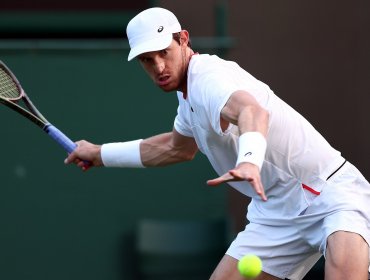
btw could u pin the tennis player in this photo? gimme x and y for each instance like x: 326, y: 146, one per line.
x: 307, y: 200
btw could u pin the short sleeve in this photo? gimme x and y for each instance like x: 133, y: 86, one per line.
x: 216, y: 90
x: 181, y: 123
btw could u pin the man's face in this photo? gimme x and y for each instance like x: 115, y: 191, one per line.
x: 167, y: 68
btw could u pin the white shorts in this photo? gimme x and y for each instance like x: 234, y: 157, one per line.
x: 291, y: 249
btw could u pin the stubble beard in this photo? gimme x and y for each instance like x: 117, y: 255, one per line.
x: 182, y: 79
x: 184, y: 72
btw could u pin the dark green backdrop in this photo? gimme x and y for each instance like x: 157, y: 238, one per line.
x: 58, y: 222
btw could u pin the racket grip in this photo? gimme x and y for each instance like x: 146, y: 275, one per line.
x: 60, y: 138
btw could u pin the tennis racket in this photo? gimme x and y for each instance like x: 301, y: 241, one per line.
x: 11, y: 92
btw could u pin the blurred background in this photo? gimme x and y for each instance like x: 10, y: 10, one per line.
x: 71, y: 57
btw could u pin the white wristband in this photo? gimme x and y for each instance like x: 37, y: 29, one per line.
x: 252, y: 148
x: 124, y: 154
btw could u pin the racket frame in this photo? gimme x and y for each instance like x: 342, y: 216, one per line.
x: 34, y: 114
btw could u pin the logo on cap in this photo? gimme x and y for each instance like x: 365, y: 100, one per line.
x: 160, y: 29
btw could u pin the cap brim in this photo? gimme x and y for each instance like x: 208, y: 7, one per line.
x: 159, y: 43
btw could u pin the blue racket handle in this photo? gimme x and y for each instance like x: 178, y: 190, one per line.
x: 60, y: 138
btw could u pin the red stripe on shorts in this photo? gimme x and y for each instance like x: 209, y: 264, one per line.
x: 310, y: 189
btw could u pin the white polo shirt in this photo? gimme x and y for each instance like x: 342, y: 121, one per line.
x: 296, y: 153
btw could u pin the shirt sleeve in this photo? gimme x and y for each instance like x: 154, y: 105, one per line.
x: 217, y: 86
x: 181, y: 123
x: 216, y: 91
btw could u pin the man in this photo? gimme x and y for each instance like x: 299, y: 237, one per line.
x: 307, y: 200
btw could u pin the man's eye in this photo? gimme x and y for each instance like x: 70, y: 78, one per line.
x: 164, y: 52
x: 144, y: 59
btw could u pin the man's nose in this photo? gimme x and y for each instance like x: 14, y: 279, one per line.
x: 159, y: 66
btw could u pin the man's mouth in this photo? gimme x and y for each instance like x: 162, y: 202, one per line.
x: 163, y: 80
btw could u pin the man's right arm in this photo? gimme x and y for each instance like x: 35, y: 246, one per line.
x: 167, y: 148
x: 160, y: 150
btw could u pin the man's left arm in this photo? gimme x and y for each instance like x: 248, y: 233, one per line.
x: 243, y: 110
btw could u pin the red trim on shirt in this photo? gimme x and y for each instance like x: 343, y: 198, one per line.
x: 310, y: 189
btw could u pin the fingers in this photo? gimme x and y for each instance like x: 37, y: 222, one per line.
x: 75, y: 157
x: 71, y: 158
x: 243, y: 172
x: 254, y: 180
x: 227, y: 177
x: 83, y: 165
x: 260, y: 191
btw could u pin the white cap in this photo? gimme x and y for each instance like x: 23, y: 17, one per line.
x: 151, y: 30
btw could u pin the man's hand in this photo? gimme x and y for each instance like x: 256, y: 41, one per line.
x: 243, y: 172
x: 85, y: 155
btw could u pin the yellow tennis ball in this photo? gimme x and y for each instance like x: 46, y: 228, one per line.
x: 250, y: 266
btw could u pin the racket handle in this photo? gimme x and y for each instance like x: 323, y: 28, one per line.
x: 60, y: 138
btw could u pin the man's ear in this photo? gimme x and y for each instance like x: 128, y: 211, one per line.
x: 184, y: 37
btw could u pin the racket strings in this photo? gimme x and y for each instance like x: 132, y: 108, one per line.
x: 8, y: 88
